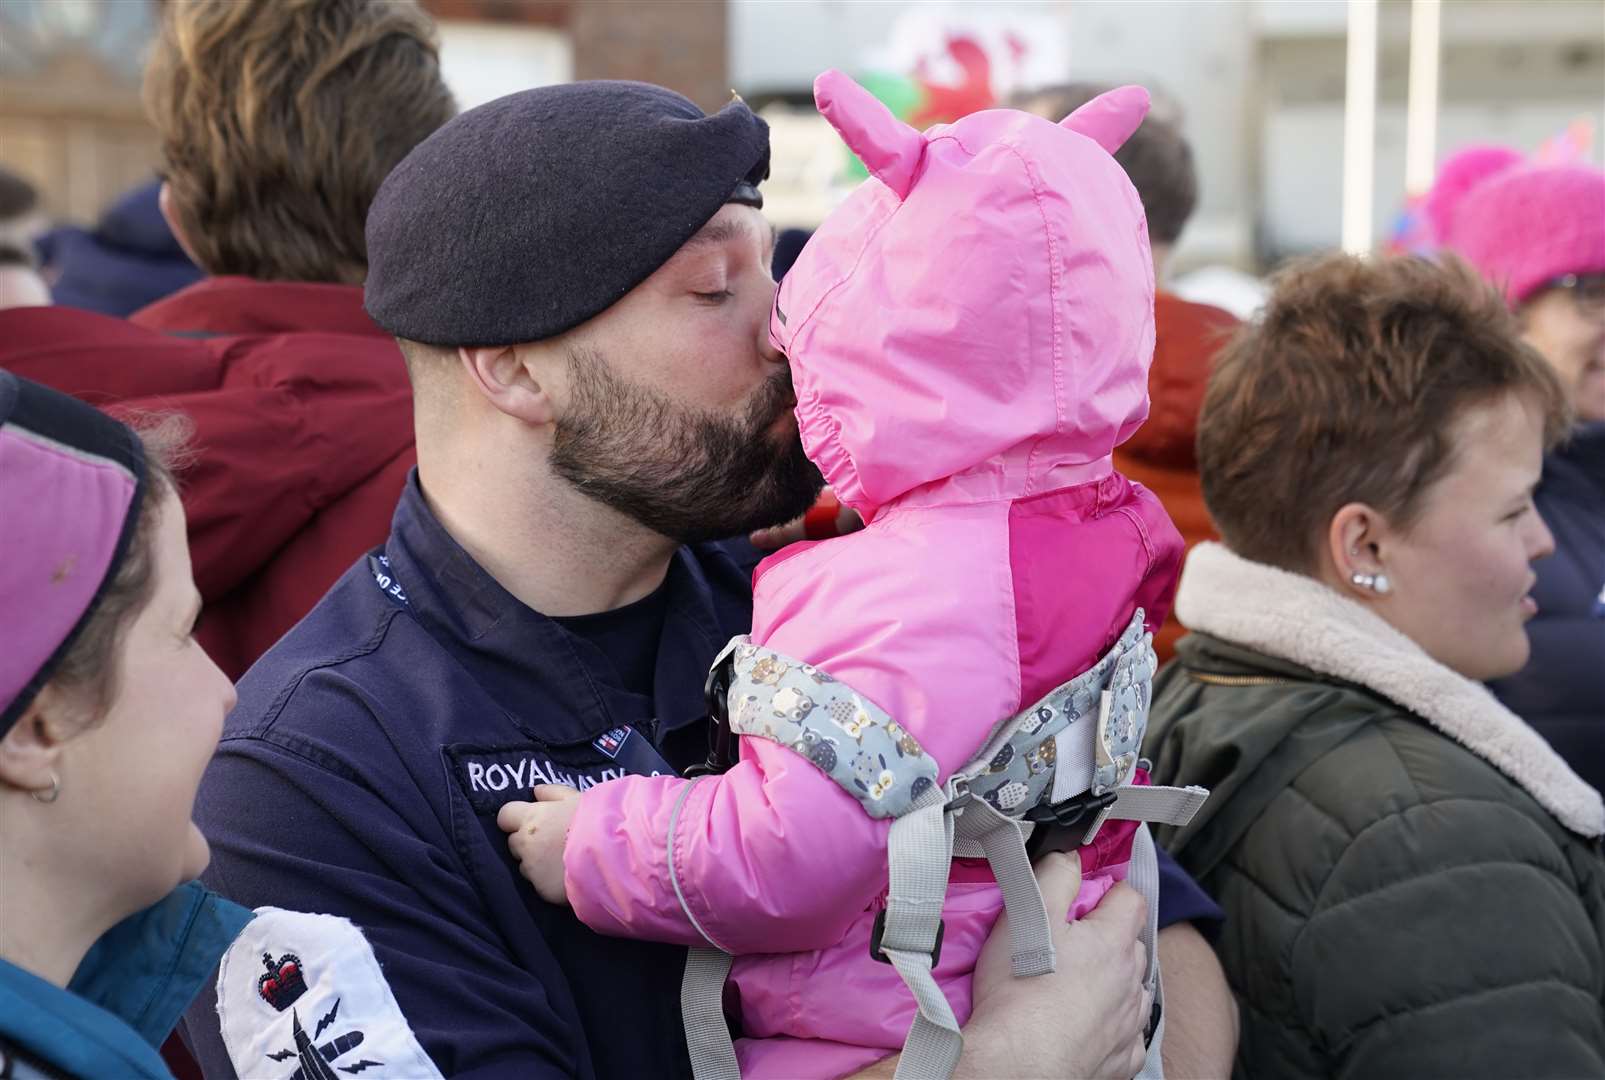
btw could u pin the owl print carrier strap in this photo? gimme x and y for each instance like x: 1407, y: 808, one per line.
x: 1065, y: 763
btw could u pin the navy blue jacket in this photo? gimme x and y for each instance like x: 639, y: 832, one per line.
x: 130, y: 258
x: 1561, y: 691
x: 361, y: 773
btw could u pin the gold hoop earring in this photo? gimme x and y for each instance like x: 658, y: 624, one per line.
x: 53, y: 794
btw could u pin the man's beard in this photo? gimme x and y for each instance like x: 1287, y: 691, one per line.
x: 687, y: 474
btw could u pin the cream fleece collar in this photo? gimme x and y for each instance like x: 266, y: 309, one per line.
x: 1297, y: 618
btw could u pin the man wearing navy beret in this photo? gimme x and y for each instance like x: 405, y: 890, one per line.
x: 578, y: 279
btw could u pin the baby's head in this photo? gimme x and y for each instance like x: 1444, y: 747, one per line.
x: 982, y: 304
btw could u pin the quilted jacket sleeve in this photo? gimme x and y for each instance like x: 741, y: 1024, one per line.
x: 1450, y: 939
x: 743, y: 845
x: 774, y: 856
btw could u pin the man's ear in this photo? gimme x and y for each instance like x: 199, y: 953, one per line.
x: 505, y: 376
x: 164, y: 201
x: 30, y: 753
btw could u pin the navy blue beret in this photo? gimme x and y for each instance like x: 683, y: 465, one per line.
x: 529, y: 215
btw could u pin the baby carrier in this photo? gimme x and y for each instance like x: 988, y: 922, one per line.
x: 1064, y: 766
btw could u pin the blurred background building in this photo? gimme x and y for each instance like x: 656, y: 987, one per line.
x: 1259, y: 84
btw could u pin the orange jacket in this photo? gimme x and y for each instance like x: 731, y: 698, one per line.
x: 1161, y: 456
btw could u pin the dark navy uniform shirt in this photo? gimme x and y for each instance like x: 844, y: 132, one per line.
x: 361, y: 773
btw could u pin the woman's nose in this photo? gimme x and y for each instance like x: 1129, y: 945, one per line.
x: 1541, y: 544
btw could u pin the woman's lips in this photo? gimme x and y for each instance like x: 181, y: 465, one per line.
x: 1529, y: 607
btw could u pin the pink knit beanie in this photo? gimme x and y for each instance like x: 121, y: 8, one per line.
x: 1520, y: 224
x: 71, y: 480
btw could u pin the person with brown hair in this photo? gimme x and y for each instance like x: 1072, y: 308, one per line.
x: 1160, y: 455
x: 109, y: 711
x: 278, y: 120
x: 1412, y: 876
x: 278, y: 123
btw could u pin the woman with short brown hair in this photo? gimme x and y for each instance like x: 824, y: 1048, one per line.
x: 1412, y: 876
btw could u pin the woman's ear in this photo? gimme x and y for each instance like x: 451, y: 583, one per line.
x: 506, y: 376
x: 1356, y: 550
x: 30, y: 753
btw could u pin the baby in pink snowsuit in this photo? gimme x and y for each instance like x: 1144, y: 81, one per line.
x: 969, y: 336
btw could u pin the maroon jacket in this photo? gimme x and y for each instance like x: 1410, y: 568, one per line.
x: 303, y: 432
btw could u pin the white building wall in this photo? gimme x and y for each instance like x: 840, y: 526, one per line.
x: 1261, y: 83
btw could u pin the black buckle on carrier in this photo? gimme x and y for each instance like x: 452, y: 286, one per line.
x: 1072, y: 811
x: 878, y: 954
x: 1064, y: 816
x: 723, y: 752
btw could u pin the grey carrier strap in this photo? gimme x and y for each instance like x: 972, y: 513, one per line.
x: 1066, y: 762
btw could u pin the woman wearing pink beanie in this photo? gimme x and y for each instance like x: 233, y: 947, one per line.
x: 109, y: 711
x: 1538, y: 231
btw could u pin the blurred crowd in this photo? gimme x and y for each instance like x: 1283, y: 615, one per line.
x: 379, y: 471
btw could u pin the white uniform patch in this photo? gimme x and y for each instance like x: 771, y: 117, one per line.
x: 302, y: 996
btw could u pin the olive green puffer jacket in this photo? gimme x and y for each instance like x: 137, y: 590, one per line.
x: 1398, y: 904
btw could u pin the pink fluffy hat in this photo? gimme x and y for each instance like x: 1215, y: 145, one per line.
x: 1521, y: 224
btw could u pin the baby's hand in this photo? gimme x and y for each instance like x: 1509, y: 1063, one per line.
x: 536, y: 832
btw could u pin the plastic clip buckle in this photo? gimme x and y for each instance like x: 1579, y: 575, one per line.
x: 1072, y: 810
x: 722, y: 749
x: 878, y: 954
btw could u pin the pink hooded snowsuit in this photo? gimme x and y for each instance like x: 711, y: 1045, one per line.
x: 969, y: 336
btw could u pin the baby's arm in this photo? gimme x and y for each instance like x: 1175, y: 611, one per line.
x: 772, y: 856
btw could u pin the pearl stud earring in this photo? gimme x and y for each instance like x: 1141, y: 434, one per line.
x: 1377, y: 583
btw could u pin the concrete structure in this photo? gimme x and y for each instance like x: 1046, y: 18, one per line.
x: 1261, y: 85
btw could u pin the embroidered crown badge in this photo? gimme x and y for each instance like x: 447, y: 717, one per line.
x: 283, y: 984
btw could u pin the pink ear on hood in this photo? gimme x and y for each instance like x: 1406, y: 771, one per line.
x: 1110, y: 118
x: 889, y: 148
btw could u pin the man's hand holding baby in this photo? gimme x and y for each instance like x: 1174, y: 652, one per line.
x: 536, y: 832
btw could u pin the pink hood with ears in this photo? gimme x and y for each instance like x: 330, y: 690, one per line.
x: 979, y: 315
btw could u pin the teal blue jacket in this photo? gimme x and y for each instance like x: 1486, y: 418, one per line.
x: 127, y: 995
